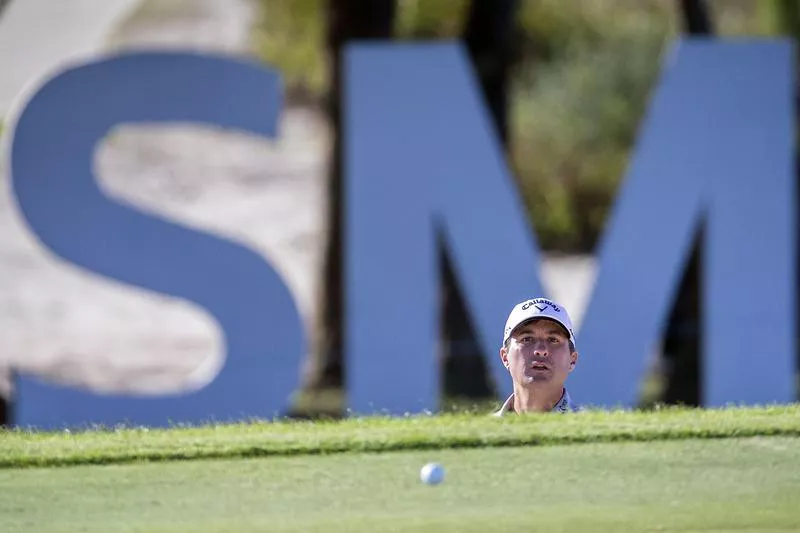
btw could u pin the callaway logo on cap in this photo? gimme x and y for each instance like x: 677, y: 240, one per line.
x: 538, y: 308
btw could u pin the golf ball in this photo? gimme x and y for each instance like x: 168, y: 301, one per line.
x: 432, y: 474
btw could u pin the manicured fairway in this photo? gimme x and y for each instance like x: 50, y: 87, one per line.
x: 726, y: 470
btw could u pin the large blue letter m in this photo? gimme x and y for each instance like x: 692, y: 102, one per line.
x: 716, y: 144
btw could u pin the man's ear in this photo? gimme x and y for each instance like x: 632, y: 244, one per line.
x: 504, y: 356
x: 573, y: 360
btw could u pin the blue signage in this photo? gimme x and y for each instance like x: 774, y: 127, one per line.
x: 421, y: 160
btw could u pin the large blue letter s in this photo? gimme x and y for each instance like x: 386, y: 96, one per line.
x: 51, y: 159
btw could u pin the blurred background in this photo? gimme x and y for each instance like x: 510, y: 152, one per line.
x: 567, y: 83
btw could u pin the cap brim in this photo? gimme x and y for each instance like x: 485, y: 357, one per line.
x: 540, y: 317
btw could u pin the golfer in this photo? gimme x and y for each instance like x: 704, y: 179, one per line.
x: 539, y: 352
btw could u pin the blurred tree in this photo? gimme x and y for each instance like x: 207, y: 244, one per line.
x: 683, y: 336
x: 781, y: 17
x: 293, y: 37
x: 696, y: 18
x: 5, y: 414
x: 346, y: 21
x: 579, y: 93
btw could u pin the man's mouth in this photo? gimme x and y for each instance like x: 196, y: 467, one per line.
x: 539, y: 366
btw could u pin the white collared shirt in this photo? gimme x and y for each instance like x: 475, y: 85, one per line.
x: 564, y: 405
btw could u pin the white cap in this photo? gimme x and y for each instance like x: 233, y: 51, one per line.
x: 538, y: 308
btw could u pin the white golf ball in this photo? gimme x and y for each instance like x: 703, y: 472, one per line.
x: 432, y: 474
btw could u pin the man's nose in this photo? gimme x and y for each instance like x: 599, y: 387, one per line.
x: 540, y: 348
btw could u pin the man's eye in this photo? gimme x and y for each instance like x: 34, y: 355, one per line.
x: 553, y: 340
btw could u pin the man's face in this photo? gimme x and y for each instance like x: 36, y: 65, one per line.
x: 538, y: 352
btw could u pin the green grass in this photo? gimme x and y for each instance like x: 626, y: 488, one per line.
x: 30, y: 449
x: 665, y: 470
x: 736, y: 484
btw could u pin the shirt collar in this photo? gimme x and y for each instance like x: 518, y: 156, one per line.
x: 563, y: 405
